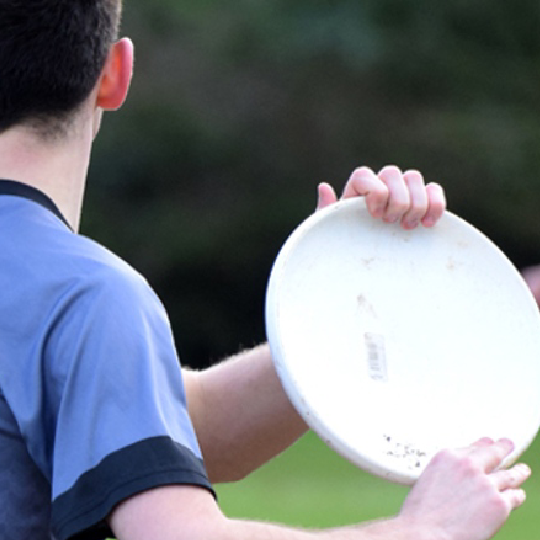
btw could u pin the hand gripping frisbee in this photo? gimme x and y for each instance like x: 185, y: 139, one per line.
x: 394, y: 344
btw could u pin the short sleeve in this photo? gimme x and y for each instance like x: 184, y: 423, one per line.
x: 115, y: 395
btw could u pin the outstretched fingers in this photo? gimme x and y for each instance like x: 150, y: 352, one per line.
x: 514, y: 498
x: 464, y: 493
x: 513, y: 477
x: 488, y: 455
x: 507, y: 486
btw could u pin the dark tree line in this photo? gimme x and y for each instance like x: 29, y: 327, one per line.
x: 238, y: 109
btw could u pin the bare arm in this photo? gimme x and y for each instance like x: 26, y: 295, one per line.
x: 241, y: 414
x: 185, y: 513
x: 460, y: 496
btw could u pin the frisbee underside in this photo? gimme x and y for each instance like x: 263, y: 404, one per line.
x: 394, y: 344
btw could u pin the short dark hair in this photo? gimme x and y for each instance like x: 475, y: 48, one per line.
x: 52, y: 53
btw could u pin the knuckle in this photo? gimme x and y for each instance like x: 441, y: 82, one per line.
x: 434, y: 186
x: 413, y: 176
x: 517, y: 475
x: 390, y: 169
x: 362, y: 170
x: 437, y: 204
x: 445, y: 456
x: 499, y: 453
x: 435, y: 192
x: 463, y: 465
x: 512, y: 478
x: 468, y: 466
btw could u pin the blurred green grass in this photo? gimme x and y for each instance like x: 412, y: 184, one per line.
x: 309, y: 485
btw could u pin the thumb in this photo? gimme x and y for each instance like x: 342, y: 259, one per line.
x: 325, y: 195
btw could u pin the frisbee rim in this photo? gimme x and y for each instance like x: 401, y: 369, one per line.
x: 294, y: 390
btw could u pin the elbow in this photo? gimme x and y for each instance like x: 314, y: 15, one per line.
x: 226, y: 472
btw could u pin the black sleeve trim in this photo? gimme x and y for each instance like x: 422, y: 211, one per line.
x: 80, y: 512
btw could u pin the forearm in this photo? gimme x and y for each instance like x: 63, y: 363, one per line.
x: 386, y: 529
x: 241, y: 414
x: 186, y: 513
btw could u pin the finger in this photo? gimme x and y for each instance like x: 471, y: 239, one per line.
x: 511, y: 478
x: 514, y: 497
x: 531, y: 276
x: 480, y: 443
x: 364, y: 182
x: 418, y: 199
x: 398, y: 194
x: 436, y: 204
x: 490, y: 456
x: 325, y: 195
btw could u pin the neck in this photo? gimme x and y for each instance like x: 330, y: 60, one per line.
x: 57, y: 168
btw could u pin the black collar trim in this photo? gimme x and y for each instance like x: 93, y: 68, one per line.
x: 18, y: 189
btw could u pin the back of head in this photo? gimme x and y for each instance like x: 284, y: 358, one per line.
x: 52, y: 53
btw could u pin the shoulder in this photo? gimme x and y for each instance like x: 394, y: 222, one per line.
x: 88, y: 270
x: 107, y: 273
x: 101, y: 291
x: 97, y: 301
x: 50, y: 258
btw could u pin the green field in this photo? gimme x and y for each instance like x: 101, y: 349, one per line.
x: 311, y: 486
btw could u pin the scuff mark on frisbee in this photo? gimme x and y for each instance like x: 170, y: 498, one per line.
x: 407, y: 451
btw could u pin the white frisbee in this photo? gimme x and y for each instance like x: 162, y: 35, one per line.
x: 394, y: 344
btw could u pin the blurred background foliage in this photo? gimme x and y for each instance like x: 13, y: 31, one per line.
x: 239, y: 108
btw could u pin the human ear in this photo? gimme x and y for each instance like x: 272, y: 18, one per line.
x: 116, y: 76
